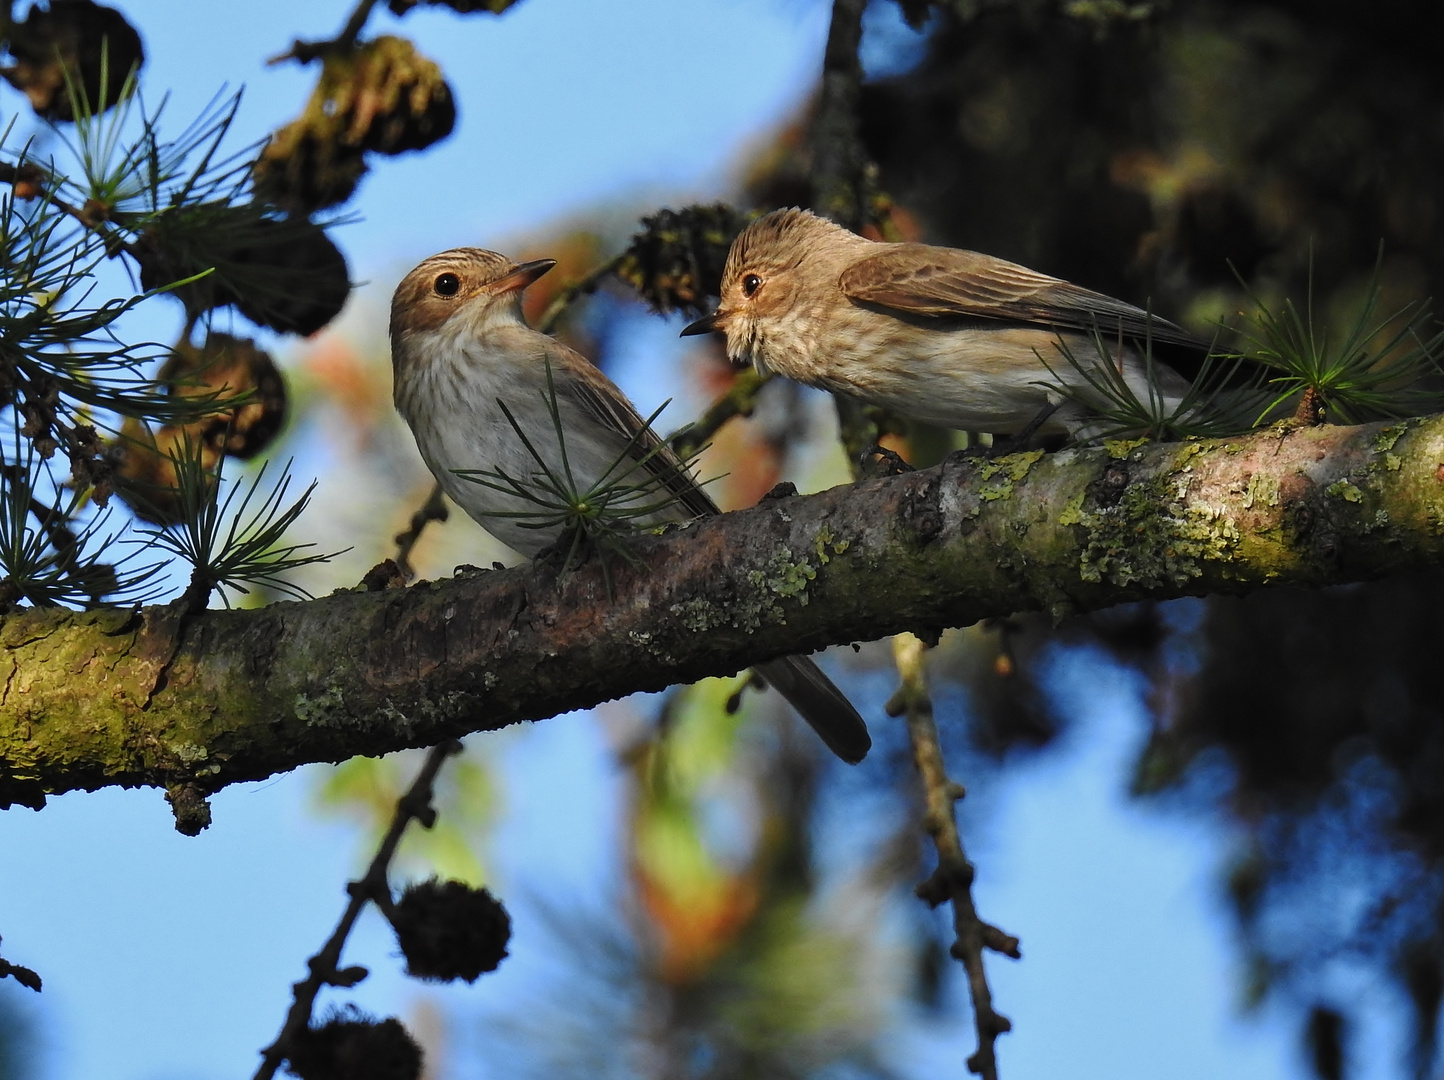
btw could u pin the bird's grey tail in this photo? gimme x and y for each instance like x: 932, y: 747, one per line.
x: 821, y: 704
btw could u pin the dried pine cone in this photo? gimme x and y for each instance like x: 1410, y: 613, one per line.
x: 145, y: 474
x: 392, y: 98
x: 230, y: 367
x: 303, y: 172
x: 306, y: 274
x: 676, y: 261
x: 285, y: 274
x: 71, y: 36
x: 226, y: 366
x: 382, y: 96
x: 353, y: 1046
x: 448, y: 930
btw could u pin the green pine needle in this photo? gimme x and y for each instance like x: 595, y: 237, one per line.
x: 1378, y: 369
x: 48, y: 558
x: 1116, y: 411
x: 602, y: 514
x: 229, y: 544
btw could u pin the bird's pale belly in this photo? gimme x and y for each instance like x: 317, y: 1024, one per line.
x: 975, y: 379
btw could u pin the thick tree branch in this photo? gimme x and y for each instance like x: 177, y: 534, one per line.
x: 144, y: 697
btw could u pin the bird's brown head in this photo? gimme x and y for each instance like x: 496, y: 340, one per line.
x: 463, y: 290
x: 778, y: 270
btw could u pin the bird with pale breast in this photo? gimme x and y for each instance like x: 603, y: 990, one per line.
x: 945, y: 336
x: 460, y: 348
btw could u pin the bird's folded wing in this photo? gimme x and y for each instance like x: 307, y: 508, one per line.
x: 937, y: 281
x: 654, y: 456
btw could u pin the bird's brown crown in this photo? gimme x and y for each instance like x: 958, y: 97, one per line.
x: 778, y: 241
x: 429, y: 295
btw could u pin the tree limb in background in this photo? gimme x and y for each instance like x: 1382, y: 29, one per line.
x: 841, y: 191
x: 116, y: 697
x: 303, y: 52
x: 739, y: 400
x: 839, y: 160
x: 838, y: 176
x: 952, y: 880
x: 574, y: 292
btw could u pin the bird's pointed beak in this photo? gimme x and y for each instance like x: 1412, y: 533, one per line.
x: 522, y: 275
x: 708, y: 324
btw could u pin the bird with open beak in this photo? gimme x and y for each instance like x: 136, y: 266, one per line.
x: 945, y: 336
x: 460, y: 347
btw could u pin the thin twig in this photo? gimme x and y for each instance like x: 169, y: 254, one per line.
x: 304, y: 52
x: 739, y: 400
x: 23, y: 975
x: 372, y: 886
x: 953, y: 878
x: 110, y: 236
x: 433, y: 509
x: 574, y: 292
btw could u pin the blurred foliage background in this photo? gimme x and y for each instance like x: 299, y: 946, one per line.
x: 1178, y: 152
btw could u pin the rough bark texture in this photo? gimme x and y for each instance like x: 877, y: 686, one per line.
x: 147, y: 697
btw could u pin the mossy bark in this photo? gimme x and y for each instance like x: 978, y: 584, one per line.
x: 152, y: 697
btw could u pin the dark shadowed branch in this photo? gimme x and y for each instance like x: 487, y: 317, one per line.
x: 839, y: 160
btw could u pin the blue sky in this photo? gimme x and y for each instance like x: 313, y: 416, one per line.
x: 167, y: 957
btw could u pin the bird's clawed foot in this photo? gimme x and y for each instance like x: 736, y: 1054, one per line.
x: 880, y: 461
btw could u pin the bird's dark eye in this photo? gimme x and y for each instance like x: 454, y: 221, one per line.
x: 447, y: 285
x: 750, y: 284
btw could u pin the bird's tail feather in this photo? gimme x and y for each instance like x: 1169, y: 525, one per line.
x: 821, y: 704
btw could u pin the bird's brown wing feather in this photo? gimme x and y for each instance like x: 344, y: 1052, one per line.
x: 656, y: 457
x: 797, y: 678
x: 938, y: 281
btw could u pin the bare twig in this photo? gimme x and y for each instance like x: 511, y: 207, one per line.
x: 574, y: 292
x: 23, y: 975
x: 303, y: 52
x: 372, y: 886
x: 433, y: 509
x: 953, y: 878
x: 740, y: 400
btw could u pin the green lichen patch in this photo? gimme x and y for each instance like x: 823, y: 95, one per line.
x: 826, y: 547
x: 785, y: 577
x: 1262, y: 489
x: 700, y: 615
x: 1119, y: 449
x: 1387, y: 437
x: 327, y: 709
x: 1073, y: 510
x: 1393, y: 462
x: 1151, y: 538
x: 1342, y: 489
x: 998, y: 477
